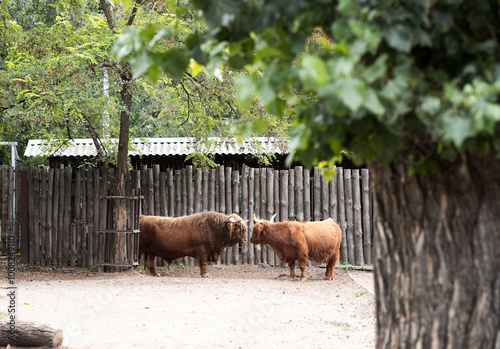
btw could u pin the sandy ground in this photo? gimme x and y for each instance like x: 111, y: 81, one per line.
x: 237, y: 307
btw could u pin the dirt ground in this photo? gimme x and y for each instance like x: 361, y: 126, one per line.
x: 245, y: 306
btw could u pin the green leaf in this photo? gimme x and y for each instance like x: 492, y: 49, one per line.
x: 347, y: 7
x: 399, y: 37
x: 350, y: 92
x: 313, y: 72
x: 247, y: 90
x: 175, y: 62
x: 456, y: 128
x: 372, y: 103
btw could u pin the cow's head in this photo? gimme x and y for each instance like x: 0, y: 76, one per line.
x: 237, y: 228
x: 259, y: 232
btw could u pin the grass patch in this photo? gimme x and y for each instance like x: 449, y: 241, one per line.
x: 360, y: 293
x: 341, y: 324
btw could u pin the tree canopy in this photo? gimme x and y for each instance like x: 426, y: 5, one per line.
x: 412, y: 81
x: 59, y: 80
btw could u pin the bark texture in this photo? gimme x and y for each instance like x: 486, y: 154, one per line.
x: 29, y: 334
x: 437, y: 255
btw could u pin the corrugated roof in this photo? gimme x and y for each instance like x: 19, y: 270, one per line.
x: 164, y: 146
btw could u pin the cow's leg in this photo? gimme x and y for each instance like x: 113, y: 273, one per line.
x: 302, y: 266
x: 291, y: 265
x: 150, y: 264
x: 330, y: 268
x: 203, y: 267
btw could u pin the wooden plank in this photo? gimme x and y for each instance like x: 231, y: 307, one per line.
x: 49, y: 216
x: 342, y: 222
x: 284, y: 199
x: 156, y: 189
x: 145, y: 191
x: 367, y: 235
x: 358, y: 231
x: 211, y: 190
x: 10, y: 205
x: 68, y: 246
x: 151, y: 191
x: 61, y: 229
x: 17, y: 226
x: 170, y: 192
x: 316, y: 194
x: 270, y: 210
x: 178, y: 193
x: 299, y: 193
x: 88, y: 217
x: 198, y: 190
x: 229, y: 206
x: 263, y: 208
x: 349, y: 216
x: 95, y: 214
x: 31, y: 208
x: 163, y: 194
x: 236, y: 209
x: 205, y: 179
x: 251, y: 210
x: 36, y: 216
x: 25, y: 238
x: 44, y: 259
x: 291, y: 196
x: 189, y: 190
x: 277, y: 206
x: 3, y: 207
x: 244, y: 211
x: 83, y: 220
x: 257, y: 209
x: 307, y: 195
x: 333, y: 197
x: 325, y: 198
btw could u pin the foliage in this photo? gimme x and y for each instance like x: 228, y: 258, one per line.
x: 383, y: 80
x: 55, y: 65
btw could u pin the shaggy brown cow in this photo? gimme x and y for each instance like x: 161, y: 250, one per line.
x: 202, y: 236
x: 317, y: 241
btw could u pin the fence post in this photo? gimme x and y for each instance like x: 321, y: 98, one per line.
x: 245, y: 212
x: 349, y: 216
x: 316, y: 194
x: 358, y: 233
x: 341, y: 199
x: 251, y: 210
x: 367, y: 236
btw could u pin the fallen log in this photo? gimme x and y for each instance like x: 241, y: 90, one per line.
x: 28, y: 334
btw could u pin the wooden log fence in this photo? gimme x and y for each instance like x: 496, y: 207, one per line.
x: 54, y: 213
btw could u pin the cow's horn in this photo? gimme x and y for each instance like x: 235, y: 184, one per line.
x: 272, y: 218
x: 256, y: 219
x: 234, y: 220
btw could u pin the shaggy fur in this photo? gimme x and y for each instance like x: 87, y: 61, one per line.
x: 317, y: 241
x: 202, y: 236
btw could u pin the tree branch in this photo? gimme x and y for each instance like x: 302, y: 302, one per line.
x: 107, y: 14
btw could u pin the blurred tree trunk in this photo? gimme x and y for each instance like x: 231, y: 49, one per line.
x: 437, y: 255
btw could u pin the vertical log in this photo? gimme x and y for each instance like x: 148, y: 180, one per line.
x: 244, y: 211
x: 325, y: 198
x: 198, y: 190
x: 251, y: 210
x: 277, y: 207
x: 367, y: 236
x: 189, y: 189
x: 236, y: 209
x: 36, y: 215
x: 151, y: 191
x: 55, y: 214
x: 358, y: 232
x: 211, y: 190
x: 85, y: 229
x: 284, y: 199
x: 178, y: 193
x: 62, y: 230
x: 17, y: 227
x: 163, y: 194
x: 257, y: 203
x: 316, y: 194
x: 145, y: 190
x: 170, y: 193
x: 10, y: 207
x: 156, y: 189
x: 342, y: 222
x: 44, y: 258
x: 349, y: 216
x: 50, y: 212
x: 263, y: 207
x: 291, y: 196
x: 307, y: 195
x: 270, y: 209
x: 25, y: 238
x: 205, y: 179
x: 221, y: 185
x: 78, y: 217
x: 95, y: 214
x: 299, y: 194
x: 89, y: 220
x: 3, y: 209
x: 68, y: 246
x: 333, y: 197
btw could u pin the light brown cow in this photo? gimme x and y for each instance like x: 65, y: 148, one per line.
x: 202, y: 236
x: 317, y: 241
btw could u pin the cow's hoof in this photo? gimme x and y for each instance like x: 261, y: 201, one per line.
x: 205, y: 276
x: 303, y: 279
x: 328, y: 278
x: 291, y: 278
x: 156, y: 275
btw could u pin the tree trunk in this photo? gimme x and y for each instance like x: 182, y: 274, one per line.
x: 437, y: 255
